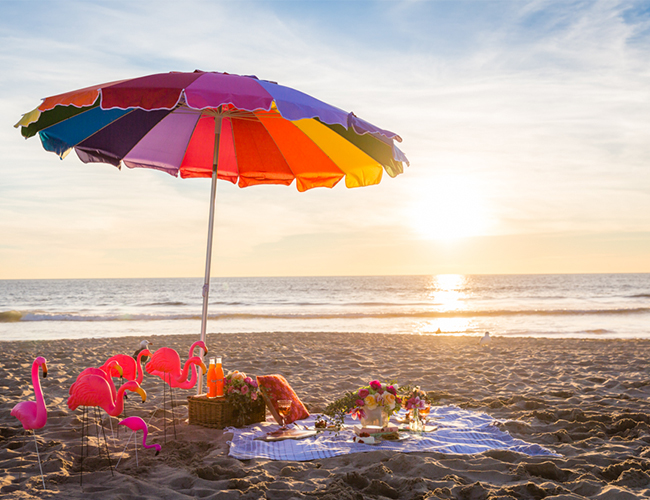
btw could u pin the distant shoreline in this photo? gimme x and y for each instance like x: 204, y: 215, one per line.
x: 326, y: 276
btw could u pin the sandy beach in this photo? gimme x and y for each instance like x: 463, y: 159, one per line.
x: 585, y: 400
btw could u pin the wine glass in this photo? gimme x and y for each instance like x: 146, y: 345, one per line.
x: 283, y: 407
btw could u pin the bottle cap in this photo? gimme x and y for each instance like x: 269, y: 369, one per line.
x: 218, y: 361
x: 211, y: 361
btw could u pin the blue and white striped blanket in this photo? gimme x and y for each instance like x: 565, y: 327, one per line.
x: 458, y: 431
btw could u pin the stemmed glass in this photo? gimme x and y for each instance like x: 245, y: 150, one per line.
x: 283, y: 407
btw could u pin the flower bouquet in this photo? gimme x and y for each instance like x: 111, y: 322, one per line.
x: 373, y: 404
x: 418, y: 403
x: 375, y: 401
x: 242, y: 392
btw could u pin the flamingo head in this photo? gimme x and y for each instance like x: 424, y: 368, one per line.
x: 145, y: 352
x: 42, y: 362
x: 196, y: 360
x: 142, y: 393
x: 135, y: 387
x: 113, y: 367
x: 200, y: 344
x: 202, y: 365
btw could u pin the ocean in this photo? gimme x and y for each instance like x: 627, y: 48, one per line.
x: 580, y: 305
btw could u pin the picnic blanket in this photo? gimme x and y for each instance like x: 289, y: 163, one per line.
x: 458, y: 431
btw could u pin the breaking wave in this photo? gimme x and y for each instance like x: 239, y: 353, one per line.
x: 16, y: 316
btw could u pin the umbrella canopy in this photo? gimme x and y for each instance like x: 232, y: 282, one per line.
x: 268, y: 133
x: 207, y: 124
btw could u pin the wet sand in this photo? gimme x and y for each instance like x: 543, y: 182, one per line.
x: 586, y: 400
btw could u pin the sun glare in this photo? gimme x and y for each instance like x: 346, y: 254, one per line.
x: 447, y: 208
x: 446, y: 291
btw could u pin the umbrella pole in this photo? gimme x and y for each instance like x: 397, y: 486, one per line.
x: 208, y: 256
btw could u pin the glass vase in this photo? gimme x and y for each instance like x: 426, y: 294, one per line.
x: 376, y: 417
x: 416, y: 424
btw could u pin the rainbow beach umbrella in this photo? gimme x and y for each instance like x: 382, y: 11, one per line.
x: 218, y: 125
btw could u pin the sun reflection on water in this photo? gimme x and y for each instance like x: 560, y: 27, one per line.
x: 446, y: 293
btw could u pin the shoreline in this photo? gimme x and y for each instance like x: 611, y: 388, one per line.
x: 585, y: 399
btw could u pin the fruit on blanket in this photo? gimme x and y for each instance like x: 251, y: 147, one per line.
x: 364, y: 440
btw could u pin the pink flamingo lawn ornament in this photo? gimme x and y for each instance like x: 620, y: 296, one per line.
x: 95, y: 390
x: 170, y: 361
x: 136, y: 424
x: 166, y: 364
x: 104, y: 372
x: 33, y: 414
x: 131, y: 368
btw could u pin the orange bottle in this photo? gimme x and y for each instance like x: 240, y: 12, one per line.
x: 212, y: 380
x: 218, y: 369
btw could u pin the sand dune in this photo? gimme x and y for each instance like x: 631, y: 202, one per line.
x: 583, y: 399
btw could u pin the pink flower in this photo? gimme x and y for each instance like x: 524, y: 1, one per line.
x: 254, y: 396
x: 380, y: 390
x: 375, y: 384
x: 358, y: 413
x: 254, y: 384
x: 363, y: 393
x: 248, y: 380
x: 415, y: 403
x: 230, y: 390
x: 244, y: 389
x: 359, y: 402
x: 392, y: 390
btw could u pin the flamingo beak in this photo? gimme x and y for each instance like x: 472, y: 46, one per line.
x: 119, y: 370
x: 44, y: 370
x: 142, y: 393
x: 202, y: 365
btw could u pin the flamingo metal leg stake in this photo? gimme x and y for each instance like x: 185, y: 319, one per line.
x: 40, y: 466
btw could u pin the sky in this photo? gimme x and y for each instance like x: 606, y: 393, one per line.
x: 526, y: 125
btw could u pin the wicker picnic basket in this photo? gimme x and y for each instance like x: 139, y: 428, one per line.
x: 217, y: 413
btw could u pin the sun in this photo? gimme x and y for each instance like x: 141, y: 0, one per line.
x: 447, y: 208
